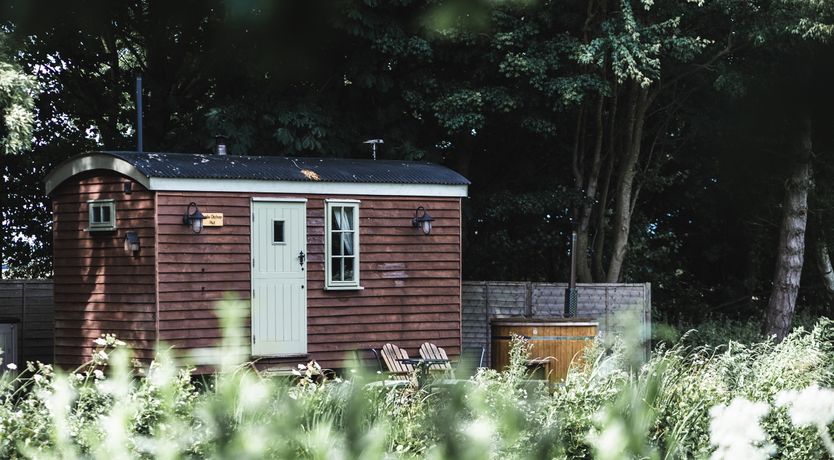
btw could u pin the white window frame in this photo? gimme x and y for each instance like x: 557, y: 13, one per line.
x: 101, y: 226
x: 329, y: 283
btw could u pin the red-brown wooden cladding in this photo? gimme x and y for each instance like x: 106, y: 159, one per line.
x: 170, y: 290
x: 98, y: 287
x: 411, y: 281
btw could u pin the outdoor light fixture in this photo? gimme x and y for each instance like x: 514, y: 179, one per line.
x: 193, y: 218
x: 131, y: 242
x: 422, y: 219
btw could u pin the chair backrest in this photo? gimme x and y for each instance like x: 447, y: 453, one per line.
x: 473, y: 356
x: 432, y: 351
x: 376, y: 359
x: 390, y: 354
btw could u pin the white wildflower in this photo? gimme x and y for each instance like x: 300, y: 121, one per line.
x: 611, y: 443
x: 813, y: 406
x: 101, y: 341
x: 480, y: 429
x: 101, y: 355
x: 11, y: 366
x: 736, y: 432
x: 98, y: 374
x: 37, y: 378
x: 252, y: 394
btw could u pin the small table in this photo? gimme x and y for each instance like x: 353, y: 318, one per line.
x: 422, y: 366
x: 533, y: 365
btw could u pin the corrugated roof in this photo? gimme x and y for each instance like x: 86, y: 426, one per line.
x: 274, y: 168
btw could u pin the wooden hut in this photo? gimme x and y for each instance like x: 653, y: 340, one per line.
x: 330, y: 255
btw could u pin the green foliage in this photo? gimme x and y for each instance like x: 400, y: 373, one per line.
x: 606, y: 408
x: 493, y: 89
x: 22, y: 250
x: 17, y: 103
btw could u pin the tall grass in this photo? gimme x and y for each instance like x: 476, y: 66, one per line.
x: 673, y: 406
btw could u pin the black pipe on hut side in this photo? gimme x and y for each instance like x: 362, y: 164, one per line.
x: 571, y: 296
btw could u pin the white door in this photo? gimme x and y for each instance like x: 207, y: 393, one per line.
x: 279, y: 278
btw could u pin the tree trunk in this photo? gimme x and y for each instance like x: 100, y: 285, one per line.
x: 638, y: 104
x: 824, y: 265
x: 598, y: 252
x: 791, y: 250
x: 583, y: 266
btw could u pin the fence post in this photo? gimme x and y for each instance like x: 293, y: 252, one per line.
x: 607, y: 310
x: 488, y: 344
x: 528, y: 300
x: 21, y: 332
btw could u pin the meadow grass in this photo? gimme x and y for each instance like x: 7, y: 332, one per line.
x: 681, y: 403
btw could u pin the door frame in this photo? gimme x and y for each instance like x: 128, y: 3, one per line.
x: 262, y: 199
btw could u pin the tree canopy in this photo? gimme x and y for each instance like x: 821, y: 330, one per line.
x: 661, y: 131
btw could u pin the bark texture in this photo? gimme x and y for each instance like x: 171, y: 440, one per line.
x: 638, y: 104
x: 791, y: 250
x: 824, y: 266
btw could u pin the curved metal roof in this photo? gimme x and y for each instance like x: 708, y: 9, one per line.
x: 269, y: 168
x: 199, y: 172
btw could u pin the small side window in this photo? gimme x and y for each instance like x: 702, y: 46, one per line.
x: 102, y: 215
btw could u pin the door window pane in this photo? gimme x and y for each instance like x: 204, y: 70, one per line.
x: 278, y: 231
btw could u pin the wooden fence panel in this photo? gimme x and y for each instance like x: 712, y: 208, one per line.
x: 613, y: 305
x: 29, y: 305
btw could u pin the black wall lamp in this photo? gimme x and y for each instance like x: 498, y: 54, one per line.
x: 193, y: 218
x: 131, y: 242
x: 422, y: 219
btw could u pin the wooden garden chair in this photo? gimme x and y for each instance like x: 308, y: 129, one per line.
x: 431, y: 351
x: 473, y: 357
x: 399, y: 370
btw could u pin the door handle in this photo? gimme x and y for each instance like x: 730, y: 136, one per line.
x: 301, y: 257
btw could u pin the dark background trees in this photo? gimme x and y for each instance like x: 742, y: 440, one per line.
x: 664, y: 132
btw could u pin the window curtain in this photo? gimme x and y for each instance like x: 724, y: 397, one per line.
x: 343, y: 220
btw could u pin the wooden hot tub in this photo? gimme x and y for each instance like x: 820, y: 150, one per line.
x: 555, y: 342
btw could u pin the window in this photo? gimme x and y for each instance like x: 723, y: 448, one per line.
x: 341, y: 262
x: 278, y: 232
x: 102, y: 215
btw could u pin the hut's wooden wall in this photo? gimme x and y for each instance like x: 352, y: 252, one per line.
x: 99, y: 288
x: 411, y: 281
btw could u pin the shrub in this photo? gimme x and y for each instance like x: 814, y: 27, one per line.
x: 679, y: 404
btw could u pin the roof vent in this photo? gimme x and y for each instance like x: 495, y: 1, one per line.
x: 373, y: 143
x: 220, y: 145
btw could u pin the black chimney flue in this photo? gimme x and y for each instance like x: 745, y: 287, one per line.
x: 139, y: 113
x: 220, y: 144
x: 571, y: 295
